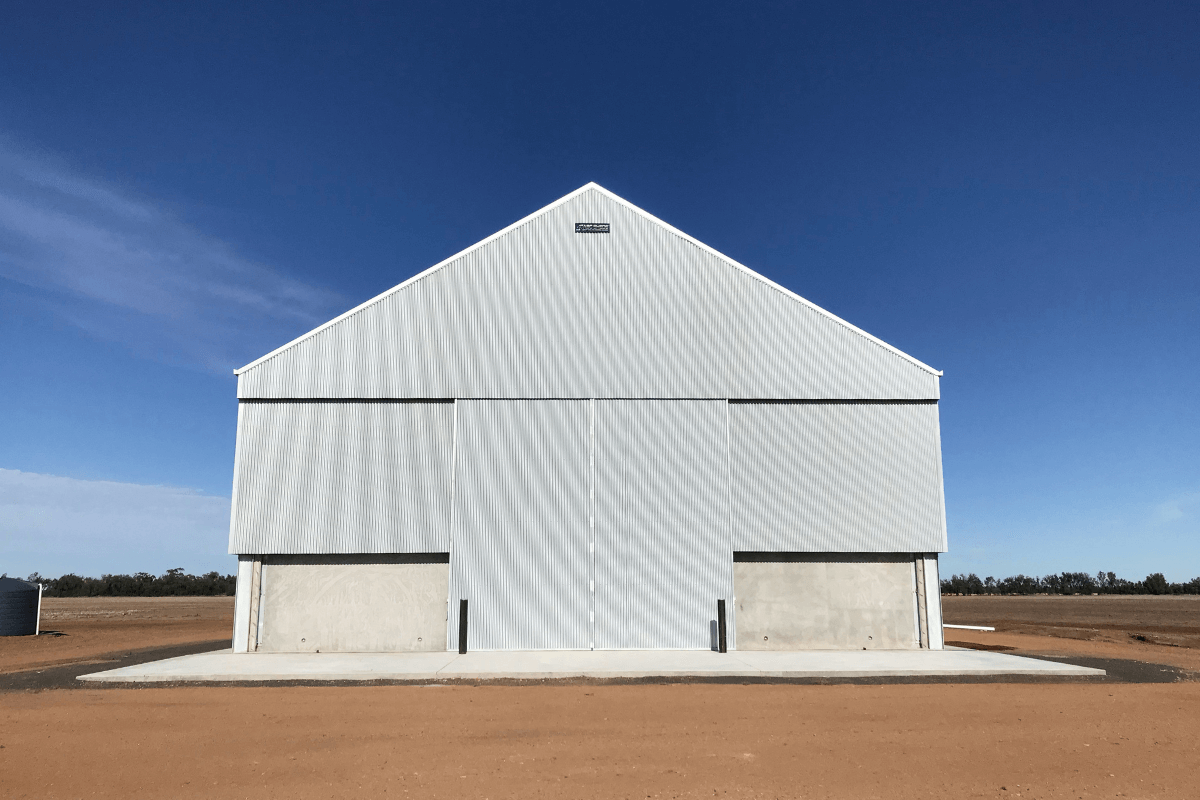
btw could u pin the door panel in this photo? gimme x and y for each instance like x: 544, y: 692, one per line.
x: 519, y: 552
x: 663, y: 548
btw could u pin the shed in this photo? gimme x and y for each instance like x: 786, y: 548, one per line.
x: 591, y: 427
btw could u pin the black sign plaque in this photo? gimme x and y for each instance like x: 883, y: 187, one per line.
x: 591, y: 227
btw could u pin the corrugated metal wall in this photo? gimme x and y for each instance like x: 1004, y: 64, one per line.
x: 510, y: 487
x: 376, y: 477
x: 663, y: 552
x: 836, y: 477
x: 519, y: 552
x: 542, y: 311
x: 342, y: 478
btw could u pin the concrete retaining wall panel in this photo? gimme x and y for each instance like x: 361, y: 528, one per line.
x: 826, y: 602
x: 376, y: 604
x: 241, y: 604
x: 933, y: 600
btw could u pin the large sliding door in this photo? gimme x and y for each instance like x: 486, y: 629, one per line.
x: 521, y: 527
x: 663, y: 548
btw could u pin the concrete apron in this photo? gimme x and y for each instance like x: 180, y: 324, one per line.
x: 225, y: 665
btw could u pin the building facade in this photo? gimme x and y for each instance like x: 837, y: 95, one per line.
x: 592, y: 428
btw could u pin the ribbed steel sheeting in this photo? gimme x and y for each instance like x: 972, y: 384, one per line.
x: 519, y: 552
x: 20, y: 605
x: 663, y: 549
x: 837, y: 478
x: 541, y: 311
x: 342, y: 478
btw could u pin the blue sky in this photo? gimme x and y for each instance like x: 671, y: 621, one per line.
x: 1008, y: 192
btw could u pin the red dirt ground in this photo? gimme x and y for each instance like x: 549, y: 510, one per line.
x: 1040, y: 740
x: 898, y: 741
x: 1161, y: 630
x: 97, y: 626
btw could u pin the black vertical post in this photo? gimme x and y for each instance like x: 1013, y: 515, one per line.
x: 721, y: 627
x: 462, y: 626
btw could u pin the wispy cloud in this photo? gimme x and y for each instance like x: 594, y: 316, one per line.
x: 1184, y: 506
x: 124, y: 269
x: 52, y: 524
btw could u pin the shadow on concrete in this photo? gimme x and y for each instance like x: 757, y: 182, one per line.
x: 63, y: 676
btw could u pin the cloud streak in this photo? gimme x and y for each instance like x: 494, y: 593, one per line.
x: 53, y: 525
x: 1184, y: 507
x: 123, y: 269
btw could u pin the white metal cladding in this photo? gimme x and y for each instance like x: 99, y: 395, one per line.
x: 541, y: 311
x: 342, y: 478
x: 837, y: 477
x: 519, y: 553
x: 663, y: 550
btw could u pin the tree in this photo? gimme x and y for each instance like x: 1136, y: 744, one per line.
x: 1076, y: 583
x: 1156, y: 584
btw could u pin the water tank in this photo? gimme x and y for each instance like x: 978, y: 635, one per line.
x: 18, y: 607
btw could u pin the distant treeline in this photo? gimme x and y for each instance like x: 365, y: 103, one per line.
x: 172, y: 583
x: 177, y: 583
x: 1067, y: 583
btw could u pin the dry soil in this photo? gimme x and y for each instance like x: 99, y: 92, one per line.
x: 1077, y: 740
x: 83, y: 629
x: 1162, y: 629
x: 914, y: 741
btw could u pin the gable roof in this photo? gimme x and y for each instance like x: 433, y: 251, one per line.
x: 538, y: 310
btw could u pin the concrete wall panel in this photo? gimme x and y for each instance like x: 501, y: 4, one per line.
x: 933, y: 600
x: 241, y: 604
x: 346, y: 604
x: 826, y: 602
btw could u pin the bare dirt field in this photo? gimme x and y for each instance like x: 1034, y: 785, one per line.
x: 1167, y: 614
x: 1077, y: 740
x: 1160, y: 629
x: 82, y: 629
x: 905, y: 741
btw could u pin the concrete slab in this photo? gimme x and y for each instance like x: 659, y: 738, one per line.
x: 225, y: 665
x: 539, y: 664
x: 902, y: 663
